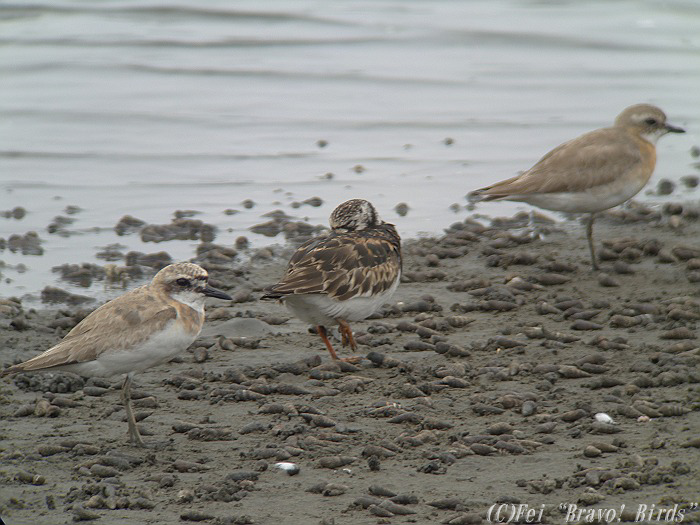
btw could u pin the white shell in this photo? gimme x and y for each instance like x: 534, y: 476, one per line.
x: 285, y: 465
x: 602, y: 417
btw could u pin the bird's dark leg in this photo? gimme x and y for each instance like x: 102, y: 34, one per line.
x: 589, y: 235
x: 134, y: 436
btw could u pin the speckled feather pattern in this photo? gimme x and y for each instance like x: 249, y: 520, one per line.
x: 344, y: 264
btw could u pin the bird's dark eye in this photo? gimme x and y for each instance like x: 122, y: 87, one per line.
x: 651, y: 121
x: 183, y: 282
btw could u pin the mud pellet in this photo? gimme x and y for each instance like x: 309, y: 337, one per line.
x: 581, y: 324
x: 446, y: 503
x: 374, y: 463
x: 395, y: 508
x: 682, y: 332
x: 418, y: 346
x: 604, y: 382
x: 335, y: 461
x: 529, y: 408
x: 82, y: 514
x: 366, y: 501
x: 647, y: 410
x: 550, y: 279
x: 512, y: 448
x: 670, y: 410
x: 483, y: 450
x: 103, y: 471
x: 544, y: 308
x: 607, y: 281
x: 592, y: 368
x: 95, y: 391
x: 573, y: 415
x: 407, y: 417
x: 334, y: 489
x: 591, y: 452
x: 196, y: 515
x: 51, y: 450
x: 604, y: 428
x: 605, y: 447
x: 24, y: 410
x: 572, y: 372
x: 458, y: 321
x: 694, y: 443
x: 380, y: 490
x: 497, y: 306
x: 546, y: 428
x: 404, y: 499
x: 685, y: 252
x: 379, y: 511
x: 499, y: 428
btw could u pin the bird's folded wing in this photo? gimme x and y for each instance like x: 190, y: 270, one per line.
x: 594, y: 159
x: 117, y: 325
x: 342, y: 266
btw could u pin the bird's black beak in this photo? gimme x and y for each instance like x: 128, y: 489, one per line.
x: 213, y: 292
x: 674, y: 129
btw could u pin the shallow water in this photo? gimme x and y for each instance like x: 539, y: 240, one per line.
x: 121, y: 108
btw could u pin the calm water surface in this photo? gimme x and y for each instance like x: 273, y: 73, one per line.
x: 144, y: 108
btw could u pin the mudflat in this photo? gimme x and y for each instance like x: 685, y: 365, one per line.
x: 505, y: 377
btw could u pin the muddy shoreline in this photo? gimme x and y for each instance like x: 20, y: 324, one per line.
x: 481, y: 385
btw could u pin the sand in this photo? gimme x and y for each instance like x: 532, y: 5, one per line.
x: 477, y: 396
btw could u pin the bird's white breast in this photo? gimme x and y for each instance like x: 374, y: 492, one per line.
x: 319, y: 309
x: 591, y: 200
x: 159, y: 347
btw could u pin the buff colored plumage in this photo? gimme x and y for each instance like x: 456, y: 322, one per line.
x: 140, y: 329
x: 592, y: 173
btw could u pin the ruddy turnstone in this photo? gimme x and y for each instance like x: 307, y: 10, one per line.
x: 140, y: 329
x: 344, y: 276
x: 592, y: 173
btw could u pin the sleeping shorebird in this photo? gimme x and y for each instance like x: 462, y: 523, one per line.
x: 343, y: 276
x: 140, y: 329
x: 592, y: 173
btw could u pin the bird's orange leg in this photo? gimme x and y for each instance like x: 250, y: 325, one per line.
x: 324, y: 338
x: 346, y: 332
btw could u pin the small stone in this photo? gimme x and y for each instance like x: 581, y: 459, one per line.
x: 591, y: 452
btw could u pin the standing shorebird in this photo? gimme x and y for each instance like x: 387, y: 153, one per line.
x: 140, y: 329
x: 343, y: 276
x: 591, y: 173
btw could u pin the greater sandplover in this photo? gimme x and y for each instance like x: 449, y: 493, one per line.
x: 591, y: 173
x: 140, y: 329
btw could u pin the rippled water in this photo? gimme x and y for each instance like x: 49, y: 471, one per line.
x: 145, y: 108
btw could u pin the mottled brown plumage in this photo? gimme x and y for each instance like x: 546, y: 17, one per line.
x: 344, y: 275
x: 344, y: 264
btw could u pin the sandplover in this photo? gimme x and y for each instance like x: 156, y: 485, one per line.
x: 591, y: 173
x: 140, y: 329
x: 345, y: 275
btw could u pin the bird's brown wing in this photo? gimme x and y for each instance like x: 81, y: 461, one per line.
x: 117, y: 325
x: 343, y: 265
x: 593, y: 159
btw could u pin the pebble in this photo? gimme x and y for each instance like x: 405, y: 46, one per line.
x: 196, y: 515
x: 82, y: 514
x: 379, y: 511
x: 591, y: 452
x: 607, y: 280
x: 334, y: 462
